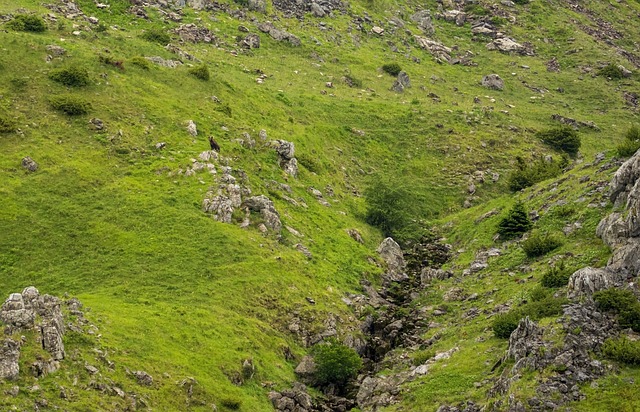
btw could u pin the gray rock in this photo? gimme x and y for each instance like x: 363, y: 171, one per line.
x: 143, y: 378
x: 401, y: 83
x: 493, y: 81
x: 390, y: 251
x: 9, y: 355
x: 29, y: 164
x: 508, y: 45
x: 191, y: 128
x: 317, y: 10
x: 267, y: 210
x: 257, y: 5
x: 355, y: 235
x: 586, y: 281
x: 626, y: 73
x: 251, y: 41
x: 172, y: 64
x: 424, y: 22
x: 56, y: 51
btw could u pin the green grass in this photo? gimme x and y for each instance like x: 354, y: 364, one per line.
x: 173, y: 292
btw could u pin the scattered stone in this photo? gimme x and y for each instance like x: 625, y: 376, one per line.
x: 29, y: 164
x: 251, y: 41
x: 377, y: 30
x: 401, y: 83
x: 553, y: 65
x: 143, y: 378
x: 191, y: 33
x: 191, y: 128
x: 56, y: 51
x: 493, y: 81
x: 279, y: 35
x: 424, y: 22
x: 265, y: 207
x: 355, y: 235
x: 573, y: 122
x: 302, y: 249
x: 508, y: 45
x: 97, y: 123
x: 9, y: 355
x: 172, y: 64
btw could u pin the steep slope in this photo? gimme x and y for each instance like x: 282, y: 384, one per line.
x: 114, y: 212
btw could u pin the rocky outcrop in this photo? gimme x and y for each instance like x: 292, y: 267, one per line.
x: 295, y: 399
x: 620, y: 231
x: 286, y: 157
x: 493, y: 81
x: 401, y: 83
x: 30, y: 310
x: 278, y: 34
x: 190, y: 33
x: 267, y: 210
x: 524, y: 345
x: 424, y: 22
x: 29, y: 164
x: 508, y: 45
x: 391, y: 253
x: 9, y: 355
x: 439, y: 51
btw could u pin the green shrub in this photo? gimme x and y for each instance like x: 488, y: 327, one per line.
x: 201, y: 72
x: 515, y: 223
x: 7, y: 125
x: 615, y: 300
x: 528, y: 174
x: 335, y: 363
x: 72, y: 76
x: 390, y: 206
x: 540, y: 244
x: 631, y: 144
x: 506, y: 323
x: 563, y: 139
x: 546, y: 306
x: 392, y: 68
x: 521, y: 2
x: 622, y: 350
x: 540, y: 293
x: 27, y: 22
x: 140, y: 62
x: 556, y: 277
x: 611, y: 71
x: 71, y: 105
x: 156, y: 36
x: 622, y: 302
x: 476, y: 9
x: 231, y: 403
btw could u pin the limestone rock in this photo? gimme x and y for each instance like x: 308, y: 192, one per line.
x: 29, y: 164
x: 401, y: 83
x: 56, y: 51
x: 267, y: 210
x: 9, y: 355
x: 508, y: 45
x: 423, y: 20
x: 586, y: 281
x: 191, y: 128
x: 143, y: 378
x: 355, y: 235
x: 257, y: 5
x: 392, y: 255
x: 286, y: 159
x: 493, y: 81
x: 251, y: 41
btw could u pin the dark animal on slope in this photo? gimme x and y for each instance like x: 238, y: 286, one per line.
x: 214, y: 146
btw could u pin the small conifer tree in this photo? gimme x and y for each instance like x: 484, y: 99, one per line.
x: 515, y: 223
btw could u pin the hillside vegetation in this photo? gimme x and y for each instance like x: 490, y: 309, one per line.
x: 115, y: 103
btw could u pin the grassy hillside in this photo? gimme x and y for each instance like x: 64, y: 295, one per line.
x: 108, y: 218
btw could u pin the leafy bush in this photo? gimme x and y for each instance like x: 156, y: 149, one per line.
x: 631, y: 144
x: 72, y: 76
x: 622, y: 302
x: 529, y: 173
x: 546, y: 306
x: 506, y: 323
x: 335, y: 363
x: 539, y: 244
x: 556, y: 277
x: 515, y: 223
x: 611, y: 71
x: 6, y: 125
x: 27, y: 22
x: 201, y: 72
x: 140, y: 62
x: 70, y: 105
x: 563, y: 139
x: 392, y: 68
x: 390, y: 206
x: 622, y: 350
x: 156, y: 36
x: 521, y: 2
x: 231, y: 403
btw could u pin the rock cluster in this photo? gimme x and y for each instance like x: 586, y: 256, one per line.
x: 286, y: 157
x: 278, y: 34
x: 29, y: 164
x: 31, y: 311
x: 319, y: 8
x: 620, y: 231
x: 401, y: 83
x: 391, y: 253
x: 190, y: 33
